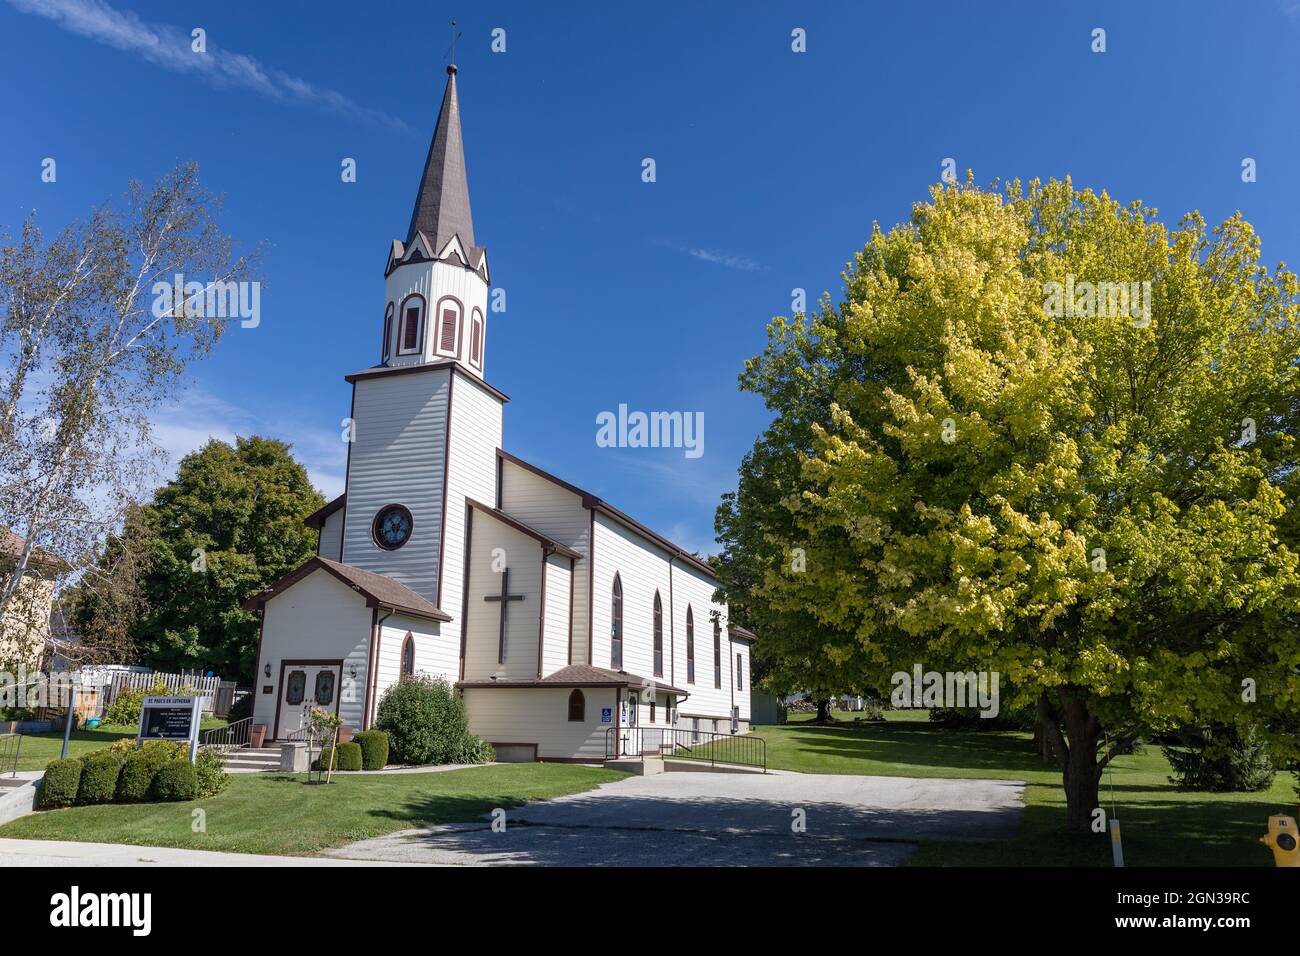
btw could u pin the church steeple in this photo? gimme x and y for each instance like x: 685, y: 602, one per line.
x: 442, y: 202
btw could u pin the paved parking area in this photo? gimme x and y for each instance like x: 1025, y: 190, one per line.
x: 711, y: 819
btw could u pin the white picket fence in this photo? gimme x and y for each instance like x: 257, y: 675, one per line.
x: 205, y: 686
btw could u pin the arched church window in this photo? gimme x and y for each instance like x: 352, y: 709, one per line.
x: 690, y: 645
x: 411, y: 337
x: 476, y: 339
x: 659, y: 636
x: 388, y: 333
x: 717, y: 654
x: 616, y: 625
x: 577, y: 706
x: 408, y: 656
x: 449, y: 314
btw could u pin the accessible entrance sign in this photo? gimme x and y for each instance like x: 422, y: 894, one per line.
x: 171, y: 718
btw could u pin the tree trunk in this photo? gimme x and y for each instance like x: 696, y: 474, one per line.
x: 1077, y: 752
x: 824, y: 710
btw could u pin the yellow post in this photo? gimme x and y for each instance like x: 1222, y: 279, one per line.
x: 1281, y: 839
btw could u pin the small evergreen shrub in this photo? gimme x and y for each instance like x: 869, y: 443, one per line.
x: 140, y: 767
x: 425, y: 722
x: 60, y: 784
x: 1219, y: 759
x: 177, y: 780
x: 210, y: 769
x: 99, y: 775
x: 348, y: 756
x: 374, y: 749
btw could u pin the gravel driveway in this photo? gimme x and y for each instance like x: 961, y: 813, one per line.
x: 714, y: 819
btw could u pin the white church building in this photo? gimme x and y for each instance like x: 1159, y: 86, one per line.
x: 561, y: 620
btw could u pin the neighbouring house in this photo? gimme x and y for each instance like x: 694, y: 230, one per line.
x: 563, y: 621
x: 25, y: 622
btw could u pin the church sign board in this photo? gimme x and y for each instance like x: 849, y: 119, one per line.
x: 171, y: 718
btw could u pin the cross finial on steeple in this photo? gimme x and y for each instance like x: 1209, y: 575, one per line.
x: 451, y: 67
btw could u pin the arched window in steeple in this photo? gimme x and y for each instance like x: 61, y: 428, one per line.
x: 449, y: 314
x: 476, y: 338
x: 410, y: 340
x: 388, y: 333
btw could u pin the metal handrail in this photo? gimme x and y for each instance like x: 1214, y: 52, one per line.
x: 686, y: 744
x: 230, y: 737
x: 8, y: 741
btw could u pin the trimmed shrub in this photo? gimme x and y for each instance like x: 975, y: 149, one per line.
x: 346, y: 757
x: 1220, y: 759
x: 425, y: 722
x: 141, y: 767
x: 374, y: 749
x: 210, y: 769
x: 99, y: 775
x: 177, y: 780
x: 241, y: 709
x: 60, y: 784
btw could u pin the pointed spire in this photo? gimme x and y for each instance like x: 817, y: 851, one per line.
x: 442, y: 204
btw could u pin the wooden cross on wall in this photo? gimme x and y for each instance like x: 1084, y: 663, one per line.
x: 505, y: 597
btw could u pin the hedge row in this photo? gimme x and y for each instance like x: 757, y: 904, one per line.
x: 367, y: 750
x: 160, y: 770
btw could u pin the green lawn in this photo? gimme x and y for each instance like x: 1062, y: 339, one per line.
x: 1161, y: 826
x: 282, y: 814
x: 40, y: 749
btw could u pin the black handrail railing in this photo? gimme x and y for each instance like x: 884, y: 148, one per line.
x: 11, y: 748
x: 686, y: 744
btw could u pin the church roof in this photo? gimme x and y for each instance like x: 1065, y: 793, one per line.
x: 511, y: 521
x: 379, y: 590
x: 591, y: 501
x: 442, y: 202
x: 582, y: 675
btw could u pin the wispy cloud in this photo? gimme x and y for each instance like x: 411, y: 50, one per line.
x: 198, y: 416
x: 716, y: 256
x: 170, y: 48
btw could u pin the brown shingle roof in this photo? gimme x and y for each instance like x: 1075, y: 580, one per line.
x: 582, y: 675
x: 379, y: 590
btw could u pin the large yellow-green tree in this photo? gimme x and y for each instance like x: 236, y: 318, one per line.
x: 989, y: 460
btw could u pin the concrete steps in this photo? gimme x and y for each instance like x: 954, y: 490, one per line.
x: 250, y: 760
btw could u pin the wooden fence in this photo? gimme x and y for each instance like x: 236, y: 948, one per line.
x: 204, y: 686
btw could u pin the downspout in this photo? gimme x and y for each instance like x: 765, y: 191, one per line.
x: 372, y: 681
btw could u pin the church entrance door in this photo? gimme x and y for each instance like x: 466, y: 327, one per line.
x: 304, y: 685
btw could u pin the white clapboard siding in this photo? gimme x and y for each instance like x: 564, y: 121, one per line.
x: 694, y: 589
x: 541, y: 716
x: 318, y: 618
x: 331, y: 537
x: 437, y: 654
x: 397, y: 458
x: 555, y: 646
x: 523, y: 556
x: 475, y: 437
x: 642, y: 568
x: 558, y: 513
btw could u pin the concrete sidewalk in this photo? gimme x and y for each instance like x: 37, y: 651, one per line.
x: 60, y: 853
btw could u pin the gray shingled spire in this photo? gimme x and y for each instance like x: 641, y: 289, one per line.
x: 442, y: 204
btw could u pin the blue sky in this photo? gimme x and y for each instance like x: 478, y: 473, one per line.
x: 771, y: 167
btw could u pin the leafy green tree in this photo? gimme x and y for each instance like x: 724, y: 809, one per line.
x: 228, y: 525
x: 993, y: 467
